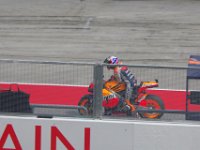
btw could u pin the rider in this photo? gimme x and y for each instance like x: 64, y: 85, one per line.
x: 123, y: 74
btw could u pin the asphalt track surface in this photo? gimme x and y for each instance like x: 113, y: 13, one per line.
x: 153, y: 32
x: 164, y: 32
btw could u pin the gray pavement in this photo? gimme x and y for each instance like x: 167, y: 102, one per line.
x: 158, y: 32
x: 153, y: 32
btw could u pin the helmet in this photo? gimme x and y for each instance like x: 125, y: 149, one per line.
x: 112, y: 60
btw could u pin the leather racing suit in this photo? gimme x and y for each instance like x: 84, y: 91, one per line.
x: 123, y: 74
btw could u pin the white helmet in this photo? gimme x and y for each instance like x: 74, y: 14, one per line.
x: 111, y: 60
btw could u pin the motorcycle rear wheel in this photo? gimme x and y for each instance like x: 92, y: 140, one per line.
x: 152, y: 102
x: 86, y: 101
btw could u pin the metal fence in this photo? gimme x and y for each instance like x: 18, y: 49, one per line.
x: 55, y: 88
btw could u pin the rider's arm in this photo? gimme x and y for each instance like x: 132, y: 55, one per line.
x: 128, y: 91
x: 117, y: 74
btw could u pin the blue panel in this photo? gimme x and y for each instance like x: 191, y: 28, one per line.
x: 194, y: 67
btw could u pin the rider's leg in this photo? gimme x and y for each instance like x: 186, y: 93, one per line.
x: 132, y: 107
x: 129, y: 91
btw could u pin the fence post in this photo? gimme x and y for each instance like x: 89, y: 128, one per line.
x: 187, y: 97
x: 98, y: 84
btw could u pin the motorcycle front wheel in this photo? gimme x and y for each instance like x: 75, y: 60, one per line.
x: 86, y: 102
x: 151, y: 103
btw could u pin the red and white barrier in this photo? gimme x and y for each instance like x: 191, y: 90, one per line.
x: 71, y: 94
x: 30, y: 133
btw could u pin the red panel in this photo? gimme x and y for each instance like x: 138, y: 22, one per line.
x: 70, y: 95
x: 51, y: 94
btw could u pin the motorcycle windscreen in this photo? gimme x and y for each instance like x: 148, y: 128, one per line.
x: 193, y: 71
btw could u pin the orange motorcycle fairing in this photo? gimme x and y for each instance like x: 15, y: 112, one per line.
x: 110, y: 100
x: 115, y: 85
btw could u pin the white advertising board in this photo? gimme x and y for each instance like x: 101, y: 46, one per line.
x: 30, y: 133
x: 60, y: 134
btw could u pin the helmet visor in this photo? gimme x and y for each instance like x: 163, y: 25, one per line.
x: 107, y: 61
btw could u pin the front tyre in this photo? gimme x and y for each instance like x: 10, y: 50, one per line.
x: 86, y: 102
x: 151, y: 102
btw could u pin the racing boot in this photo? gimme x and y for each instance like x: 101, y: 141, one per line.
x: 125, y: 107
x: 132, y: 107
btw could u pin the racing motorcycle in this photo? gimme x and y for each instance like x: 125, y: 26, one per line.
x: 147, y: 105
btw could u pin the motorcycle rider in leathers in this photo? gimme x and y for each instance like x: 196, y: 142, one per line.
x: 123, y: 74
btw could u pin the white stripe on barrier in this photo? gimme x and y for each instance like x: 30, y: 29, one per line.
x: 46, y: 84
x: 89, y: 134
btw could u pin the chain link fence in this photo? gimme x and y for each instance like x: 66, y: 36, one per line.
x: 56, y: 88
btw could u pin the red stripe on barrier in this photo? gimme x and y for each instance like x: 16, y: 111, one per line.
x: 51, y: 94
x: 70, y: 95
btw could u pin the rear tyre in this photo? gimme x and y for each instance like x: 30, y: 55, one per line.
x: 152, y: 102
x: 86, y: 102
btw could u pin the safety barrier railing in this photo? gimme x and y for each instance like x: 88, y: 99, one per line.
x: 56, y: 86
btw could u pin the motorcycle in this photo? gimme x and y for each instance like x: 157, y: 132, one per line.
x: 147, y: 105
